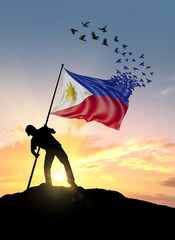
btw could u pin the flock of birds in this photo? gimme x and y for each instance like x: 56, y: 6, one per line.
x: 93, y: 34
x: 131, y: 71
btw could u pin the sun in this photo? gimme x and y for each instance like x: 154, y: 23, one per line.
x: 59, y: 177
x: 71, y: 93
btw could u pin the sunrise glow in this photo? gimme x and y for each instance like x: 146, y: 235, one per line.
x: 59, y: 177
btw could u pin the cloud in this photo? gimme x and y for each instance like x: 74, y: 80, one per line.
x: 150, y: 155
x: 167, y: 90
x: 94, y: 164
x: 170, y: 182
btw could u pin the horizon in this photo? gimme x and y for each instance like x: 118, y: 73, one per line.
x: 138, y: 160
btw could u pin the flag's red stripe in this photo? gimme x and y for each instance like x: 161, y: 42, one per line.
x: 107, y: 110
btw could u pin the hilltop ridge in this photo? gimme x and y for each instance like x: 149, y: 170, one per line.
x: 63, y: 207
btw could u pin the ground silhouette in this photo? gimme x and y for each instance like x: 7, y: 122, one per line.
x: 94, y: 211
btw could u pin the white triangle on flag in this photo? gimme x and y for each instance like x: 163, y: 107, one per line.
x: 72, y: 93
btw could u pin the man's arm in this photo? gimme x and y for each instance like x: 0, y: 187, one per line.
x: 33, y: 148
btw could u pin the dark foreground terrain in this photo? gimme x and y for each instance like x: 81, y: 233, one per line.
x: 59, y: 210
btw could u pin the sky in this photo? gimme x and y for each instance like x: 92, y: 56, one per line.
x: 138, y: 160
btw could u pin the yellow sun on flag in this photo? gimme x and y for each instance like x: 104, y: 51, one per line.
x: 71, y: 93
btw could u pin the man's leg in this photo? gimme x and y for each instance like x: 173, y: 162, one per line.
x: 47, y: 165
x: 62, y: 156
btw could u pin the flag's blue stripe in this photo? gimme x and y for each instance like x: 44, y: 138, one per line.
x: 101, y: 87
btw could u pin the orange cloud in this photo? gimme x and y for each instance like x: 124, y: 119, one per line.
x: 170, y: 182
x: 150, y: 155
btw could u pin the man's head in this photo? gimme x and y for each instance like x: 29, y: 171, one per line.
x: 30, y: 130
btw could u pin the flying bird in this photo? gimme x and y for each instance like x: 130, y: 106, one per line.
x: 143, y: 74
x: 133, y: 60
x: 148, y: 80
x: 118, y: 61
x: 116, y: 50
x: 85, y: 24
x: 142, y: 56
x: 73, y: 30
x: 125, y: 68
x: 151, y: 73
x: 94, y: 36
x: 138, y: 85
x: 116, y: 39
x: 124, y: 54
x: 148, y: 67
x: 82, y: 38
x: 130, y: 53
x: 103, y: 29
x: 105, y: 42
x: 135, y: 69
x: 124, y: 46
x: 141, y: 64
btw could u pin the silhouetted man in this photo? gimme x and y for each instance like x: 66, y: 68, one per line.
x: 42, y: 138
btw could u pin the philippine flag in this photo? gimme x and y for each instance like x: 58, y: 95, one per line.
x: 91, y: 99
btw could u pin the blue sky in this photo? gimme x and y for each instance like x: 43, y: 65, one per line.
x: 36, y: 40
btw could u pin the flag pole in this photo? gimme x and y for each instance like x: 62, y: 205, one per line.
x: 51, y: 104
x: 62, y: 65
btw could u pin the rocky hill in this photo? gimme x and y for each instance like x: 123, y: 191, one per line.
x: 91, y: 210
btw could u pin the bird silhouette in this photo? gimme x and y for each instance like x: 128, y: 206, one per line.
x: 82, y: 38
x: 148, y: 67
x: 141, y: 64
x: 124, y: 46
x: 85, y: 24
x: 133, y: 60
x: 118, y: 61
x: 116, y: 39
x: 138, y: 85
x: 124, y: 54
x: 142, y: 56
x: 73, y: 30
x: 143, y: 74
x: 94, y: 36
x: 105, y: 42
x: 135, y: 69
x: 116, y: 50
x: 148, y: 80
x: 130, y: 53
x: 151, y: 73
x: 125, y: 68
x: 103, y: 29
